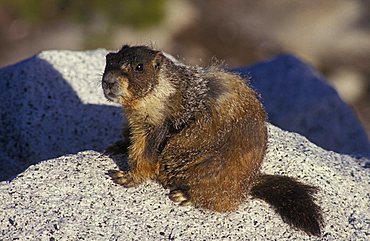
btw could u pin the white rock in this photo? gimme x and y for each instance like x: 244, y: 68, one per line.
x: 71, y: 198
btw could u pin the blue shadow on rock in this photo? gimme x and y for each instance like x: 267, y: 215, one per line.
x: 42, y: 118
x: 298, y: 99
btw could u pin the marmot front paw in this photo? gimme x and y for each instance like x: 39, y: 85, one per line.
x: 122, y: 178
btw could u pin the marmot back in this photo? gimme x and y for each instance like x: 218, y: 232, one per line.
x: 201, y: 133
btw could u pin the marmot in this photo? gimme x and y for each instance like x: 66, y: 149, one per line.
x: 201, y: 133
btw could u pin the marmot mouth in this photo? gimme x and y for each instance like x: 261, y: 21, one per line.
x: 111, y: 96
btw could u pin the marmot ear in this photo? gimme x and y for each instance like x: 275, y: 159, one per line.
x: 125, y: 47
x: 158, y: 60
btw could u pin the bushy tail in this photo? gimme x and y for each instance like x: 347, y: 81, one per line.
x: 293, y: 200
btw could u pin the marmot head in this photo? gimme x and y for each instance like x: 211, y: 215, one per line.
x: 131, y: 73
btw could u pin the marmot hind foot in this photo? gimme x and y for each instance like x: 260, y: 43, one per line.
x: 180, y: 197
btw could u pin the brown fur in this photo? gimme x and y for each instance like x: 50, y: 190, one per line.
x: 201, y: 132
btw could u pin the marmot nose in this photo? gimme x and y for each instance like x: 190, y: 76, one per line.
x: 108, y: 83
x: 108, y: 80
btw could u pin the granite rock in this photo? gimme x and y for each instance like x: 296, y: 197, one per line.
x: 52, y: 108
x: 52, y: 104
x: 72, y: 198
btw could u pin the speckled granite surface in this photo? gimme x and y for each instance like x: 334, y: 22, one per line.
x: 71, y: 198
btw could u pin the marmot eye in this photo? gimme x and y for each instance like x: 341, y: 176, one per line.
x: 139, y: 67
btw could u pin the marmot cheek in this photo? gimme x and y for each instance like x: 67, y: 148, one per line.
x: 123, y: 88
